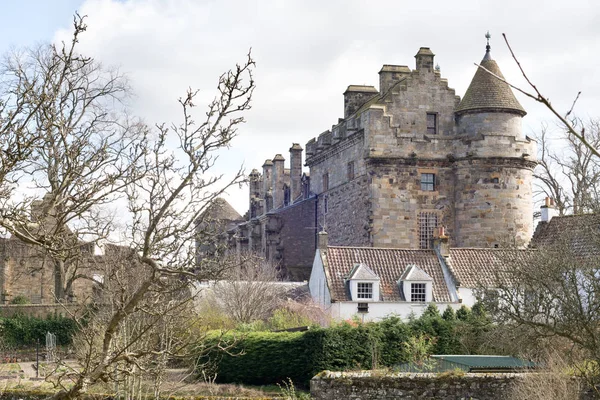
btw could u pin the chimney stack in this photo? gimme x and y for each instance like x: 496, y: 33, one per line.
x: 322, y: 240
x: 254, y: 183
x: 295, y: 171
x: 441, y: 242
x: 278, y: 179
x: 425, y: 59
x: 548, y: 210
x: 266, y: 178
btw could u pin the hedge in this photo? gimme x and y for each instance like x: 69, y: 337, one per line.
x: 22, y: 330
x: 272, y: 357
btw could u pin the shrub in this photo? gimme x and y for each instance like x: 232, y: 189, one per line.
x: 20, y: 299
x: 22, y: 330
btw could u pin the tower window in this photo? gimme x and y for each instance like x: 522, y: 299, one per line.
x: 417, y: 292
x: 495, y: 180
x: 431, y: 123
x: 364, y: 290
x: 427, y: 223
x: 428, y: 182
x: 325, y: 182
x: 350, y: 171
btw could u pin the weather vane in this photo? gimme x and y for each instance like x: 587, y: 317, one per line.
x: 488, y: 37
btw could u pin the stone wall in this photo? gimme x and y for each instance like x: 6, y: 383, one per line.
x: 296, y: 238
x: 396, y: 184
x: 366, y: 385
x: 39, y: 310
x: 348, y: 213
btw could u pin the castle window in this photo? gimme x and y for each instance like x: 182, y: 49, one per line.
x: 428, y: 182
x: 495, y: 180
x: 350, y: 171
x: 363, y: 307
x: 325, y: 182
x: 418, y: 292
x: 364, y: 290
x: 427, y: 223
x: 325, y: 205
x: 431, y: 123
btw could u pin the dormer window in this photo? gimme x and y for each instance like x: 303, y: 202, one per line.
x: 364, y: 290
x: 416, y: 284
x: 363, y: 284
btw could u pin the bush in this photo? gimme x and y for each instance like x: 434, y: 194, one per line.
x: 274, y: 357
x: 21, y: 330
x: 20, y: 299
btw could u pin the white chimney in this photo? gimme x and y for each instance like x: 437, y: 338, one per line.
x: 548, y: 210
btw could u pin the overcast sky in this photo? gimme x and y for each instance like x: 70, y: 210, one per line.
x: 308, y: 52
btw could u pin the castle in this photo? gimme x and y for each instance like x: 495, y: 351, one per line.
x: 405, y: 158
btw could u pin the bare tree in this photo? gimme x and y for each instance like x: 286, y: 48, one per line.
x: 78, y: 147
x: 249, y: 291
x: 568, y: 171
x: 554, y: 293
x: 73, y: 139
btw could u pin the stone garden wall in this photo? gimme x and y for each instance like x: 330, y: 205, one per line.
x: 379, y: 386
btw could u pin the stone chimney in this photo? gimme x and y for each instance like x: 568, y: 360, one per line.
x: 390, y: 74
x: 441, y: 242
x: 266, y: 179
x: 295, y: 171
x: 355, y: 96
x: 254, y: 196
x: 277, y: 181
x: 548, y: 210
x: 322, y: 241
x: 425, y: 59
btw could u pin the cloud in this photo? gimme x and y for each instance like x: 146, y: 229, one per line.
x: 308, y: 52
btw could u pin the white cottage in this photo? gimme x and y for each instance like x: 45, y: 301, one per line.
x: 373, y: 283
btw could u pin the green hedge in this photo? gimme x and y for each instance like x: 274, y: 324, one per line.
x: 22, y: 330
x: 272, y: 357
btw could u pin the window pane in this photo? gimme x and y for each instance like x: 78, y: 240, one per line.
x: 428, y: 182
x: 431, y: 124
x: 364, y: 290
x: 418, y: 292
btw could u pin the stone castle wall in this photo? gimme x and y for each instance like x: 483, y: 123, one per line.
x: 493, y: 203
x: 396, y: 184
x: 348, y: 215
x: 296, y: 238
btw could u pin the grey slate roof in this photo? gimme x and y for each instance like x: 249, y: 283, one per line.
x: 488, y: 93
x: 579, y: 234
x: 388, y: 264
x: 221, y: 210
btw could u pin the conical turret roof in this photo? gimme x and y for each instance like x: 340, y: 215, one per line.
x: 488, y: 93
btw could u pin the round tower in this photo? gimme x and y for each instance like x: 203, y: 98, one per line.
x: 494, y: 164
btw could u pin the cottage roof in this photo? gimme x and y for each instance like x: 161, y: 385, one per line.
x: 579, y: 233
x: 472, y: 267
x: 488, y: 93
x: 388, y: 264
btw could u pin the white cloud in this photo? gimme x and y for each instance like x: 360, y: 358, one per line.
x: 307, y: 52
